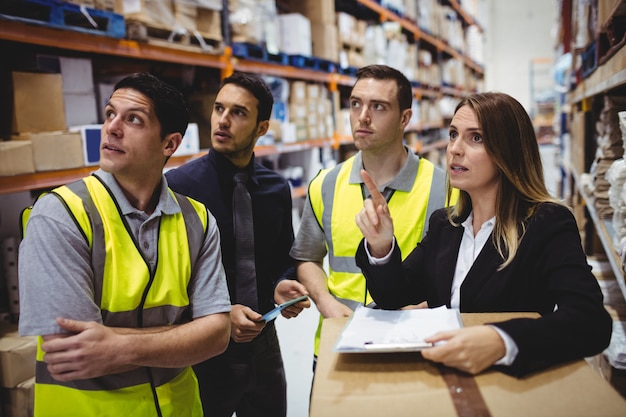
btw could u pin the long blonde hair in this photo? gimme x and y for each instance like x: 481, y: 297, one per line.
x: 510, y: 141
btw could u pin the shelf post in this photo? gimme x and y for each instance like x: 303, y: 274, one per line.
x: 227, y: 58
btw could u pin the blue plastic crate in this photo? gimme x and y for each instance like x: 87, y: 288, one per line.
x: 62, y: 15
x: 312, y: 63
x: 279, y: 58
x: 249, y: 51
x: 350, y: 71
x: 589, y: 60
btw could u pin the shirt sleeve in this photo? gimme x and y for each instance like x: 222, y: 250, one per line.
x: 511, y: 348
x: 310, y: 242
x: 208, y: 290
x: 379, y: 261
x: 54, y: 267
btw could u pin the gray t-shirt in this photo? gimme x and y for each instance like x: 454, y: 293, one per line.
x: 310, y: 242
x: 54, y: 264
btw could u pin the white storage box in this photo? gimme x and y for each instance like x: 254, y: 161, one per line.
x: 191, y: 141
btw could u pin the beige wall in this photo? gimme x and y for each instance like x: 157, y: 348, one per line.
x: 517, y: 32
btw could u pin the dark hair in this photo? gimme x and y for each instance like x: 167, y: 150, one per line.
x: 384, y: 72
x: 258, y: 88
x: 169, y: 104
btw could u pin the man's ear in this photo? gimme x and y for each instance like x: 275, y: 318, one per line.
x: 171, y: 142
x: 262, y: 127
x: 406, y: 118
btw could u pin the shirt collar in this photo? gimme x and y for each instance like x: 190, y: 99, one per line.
x: 467, y: 224
x: 227, y: 169
x: 403, y: 181
x: 167, y: 204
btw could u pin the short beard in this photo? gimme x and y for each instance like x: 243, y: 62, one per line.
x: 248, y: 150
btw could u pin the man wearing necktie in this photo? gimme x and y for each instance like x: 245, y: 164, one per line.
x: 252, y: 205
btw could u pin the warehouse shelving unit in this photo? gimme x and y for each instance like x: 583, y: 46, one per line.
x: 15, y: 33
x: 607, y: 77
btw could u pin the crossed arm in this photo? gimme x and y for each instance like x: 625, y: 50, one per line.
x: 92, y: 349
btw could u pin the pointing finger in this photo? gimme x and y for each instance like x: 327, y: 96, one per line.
x: 377, y: 197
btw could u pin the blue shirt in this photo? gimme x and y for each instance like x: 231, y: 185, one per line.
x: 209, y: 179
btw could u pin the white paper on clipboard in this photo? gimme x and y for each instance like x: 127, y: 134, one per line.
x: 372, y: 330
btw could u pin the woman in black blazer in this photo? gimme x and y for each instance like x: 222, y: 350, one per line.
x: 506, y: 245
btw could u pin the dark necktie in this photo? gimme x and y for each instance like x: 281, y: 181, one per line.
x: 245, y: 273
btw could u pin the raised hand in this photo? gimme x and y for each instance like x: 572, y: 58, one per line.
x: 375, y: 221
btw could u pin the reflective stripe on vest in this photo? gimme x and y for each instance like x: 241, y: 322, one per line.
x: 409, y: 210
x: 150, y: 298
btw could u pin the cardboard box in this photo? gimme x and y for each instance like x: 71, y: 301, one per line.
x: 346, y: 28
x: 186, y: 14
x: 317, y: 11
x: 297, y: 91
x: 398, y: 384
x: 37, y: 103
x: 298, y: 111
x: 605, y: 11
x: 313, y: 91
x: 209, y: 23
x: 614, y: 376
x: 16, y: 157
x: 19, y: 401
x: 17, y: 359
x: 55, y: 150
x: 324, y: 39
x: 580, y: 129
x: 153, y: 13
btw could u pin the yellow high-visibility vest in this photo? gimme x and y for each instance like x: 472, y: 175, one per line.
x: 129, y: 295
x: 410, y: 212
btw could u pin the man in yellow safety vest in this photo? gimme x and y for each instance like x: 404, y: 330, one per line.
x: 120, y: 277
x: 380, y: 110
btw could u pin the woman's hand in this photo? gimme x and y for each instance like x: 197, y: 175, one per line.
x: 375, y: 221
x: 470, y: 349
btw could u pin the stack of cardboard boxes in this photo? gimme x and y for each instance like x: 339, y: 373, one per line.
x: 54, y: 93
x: 310, y: 111
x: 324, y: 31
x: 107, y: 5
x: 39, y: 140
x: 352, y: 41
x: 17, y: 372
x: 185, y: 19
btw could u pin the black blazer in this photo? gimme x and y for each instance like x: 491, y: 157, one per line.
x: 549, y: 272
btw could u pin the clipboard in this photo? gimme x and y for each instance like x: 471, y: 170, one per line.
x: 384, y: 331
x: 273, y: 313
